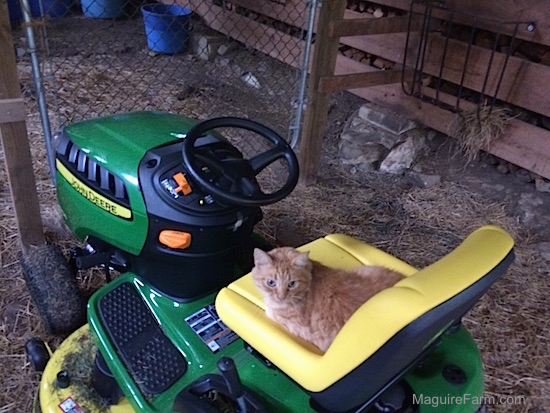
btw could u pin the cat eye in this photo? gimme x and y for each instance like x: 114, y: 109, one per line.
x: 271, y: 283
x: 292, y: 284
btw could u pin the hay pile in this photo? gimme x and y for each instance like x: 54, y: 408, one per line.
x: 476, y: 130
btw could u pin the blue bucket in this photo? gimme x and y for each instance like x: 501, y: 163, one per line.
x: 103, y: 9
x: 166, y: 27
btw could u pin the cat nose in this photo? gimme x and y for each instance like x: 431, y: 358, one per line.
x: 281, y: 295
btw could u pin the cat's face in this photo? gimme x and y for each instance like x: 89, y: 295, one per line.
x: 282, y: 274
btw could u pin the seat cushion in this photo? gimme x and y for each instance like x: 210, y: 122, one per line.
x: 241, y: 306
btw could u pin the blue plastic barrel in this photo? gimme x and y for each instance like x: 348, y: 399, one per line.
x: 166, y: 27
x: 103, y: 9
x: 52, y: 8
x: 14, y: 10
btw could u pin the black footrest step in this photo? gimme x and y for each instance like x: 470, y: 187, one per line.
x: 149, y: 355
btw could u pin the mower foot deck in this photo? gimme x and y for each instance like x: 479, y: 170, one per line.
x: 151, y: 358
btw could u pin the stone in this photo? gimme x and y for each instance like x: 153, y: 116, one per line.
x: 530, y: 211
x: 361, y: 129
x: 381, y: 63
x: 503, y: 168
x: 542, y: 185
x: 424, y: 180
x: 206, y: 47
x: 224, y: 48
x: 251, y: 80
x: 357, y: 151
x: 527, y: 199
x: 523, y: 175
x: 385, y: 119
x: 378, y: 12
x: 223, y: 62
x: 401, y: 157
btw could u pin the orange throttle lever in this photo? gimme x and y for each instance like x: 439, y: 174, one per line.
x: 183, y: 185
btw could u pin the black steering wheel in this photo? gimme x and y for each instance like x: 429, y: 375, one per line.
x: 229, y: 177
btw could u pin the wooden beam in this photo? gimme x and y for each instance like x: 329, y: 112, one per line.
x: 292, y: 12
x: 13, y: 136
x: 367, y: 26
x: 12, y: 110
x: 324, y: 62
x: 329, y: 84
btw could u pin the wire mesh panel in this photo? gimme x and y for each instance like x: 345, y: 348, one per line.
x: 197, y: 58
x: 448, y: 46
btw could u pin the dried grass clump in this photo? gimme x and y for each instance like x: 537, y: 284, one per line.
x: 477, y: 130
x: 80, y: 364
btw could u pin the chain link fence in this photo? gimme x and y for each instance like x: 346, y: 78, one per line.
x: 196, y: 58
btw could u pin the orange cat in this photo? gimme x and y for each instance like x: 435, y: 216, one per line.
x: 311, y: 300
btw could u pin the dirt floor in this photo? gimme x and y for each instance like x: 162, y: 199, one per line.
x: 510, y: 324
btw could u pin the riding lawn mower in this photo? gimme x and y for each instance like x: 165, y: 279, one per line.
x: 170, y: 204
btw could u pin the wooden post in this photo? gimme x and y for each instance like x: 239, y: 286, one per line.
x: 323, y: 65
x: 13, y: 135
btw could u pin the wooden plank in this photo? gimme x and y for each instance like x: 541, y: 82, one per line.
x: 12, y: 110
x: 324, y: 62
x: 504, y: 11
x: 368, y: 26
x: 17, y: 153
x: 294, y: 12
x: 521, y: 85
x: 532, y: 154
x: 329, y: 84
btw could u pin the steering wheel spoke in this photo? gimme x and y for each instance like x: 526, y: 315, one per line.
x: 259, y: 162
x: 249, y: 188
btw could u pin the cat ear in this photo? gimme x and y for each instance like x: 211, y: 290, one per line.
x: 261, y: 258
x: 301, y: 260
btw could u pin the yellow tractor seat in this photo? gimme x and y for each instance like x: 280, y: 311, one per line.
x: 388, y: 334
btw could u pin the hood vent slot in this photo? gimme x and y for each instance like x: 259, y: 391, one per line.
x: 90, y: 172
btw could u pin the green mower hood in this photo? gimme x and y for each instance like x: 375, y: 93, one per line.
x: 117, y: 144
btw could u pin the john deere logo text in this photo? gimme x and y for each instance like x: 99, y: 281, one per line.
x: 91, y: 195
